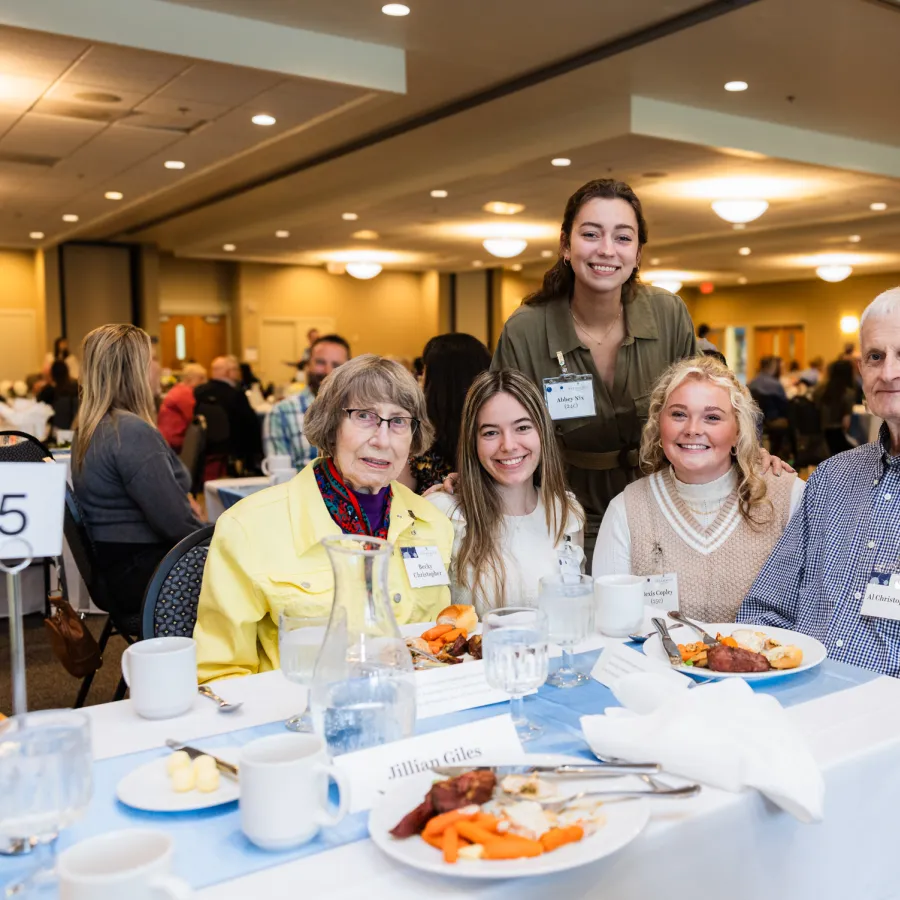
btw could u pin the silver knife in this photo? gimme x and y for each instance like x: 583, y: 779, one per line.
x: 226, y: 767
x: 669, y: 645
x: 604, y: 770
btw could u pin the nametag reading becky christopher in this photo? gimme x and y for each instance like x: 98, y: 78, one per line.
x: 661, y: 591
x: 570, y: 396
x: 424, y: 566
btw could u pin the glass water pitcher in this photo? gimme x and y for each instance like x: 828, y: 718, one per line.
x: 363, y: 691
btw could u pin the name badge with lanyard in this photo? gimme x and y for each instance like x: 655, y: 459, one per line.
x: 569, y: 396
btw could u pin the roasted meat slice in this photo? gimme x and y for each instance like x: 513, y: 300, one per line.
x: 475, y: 646
x: 470, y: 787
x: 413, y: 822
x: 458, y: 647
x: 722, y: 658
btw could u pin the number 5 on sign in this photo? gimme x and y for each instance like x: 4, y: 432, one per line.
x: 32, y: 496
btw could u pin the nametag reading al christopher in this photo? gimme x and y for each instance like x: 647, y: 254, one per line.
x: 373, y: 771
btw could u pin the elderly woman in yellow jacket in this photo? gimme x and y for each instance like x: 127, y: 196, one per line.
x: 265, y: 556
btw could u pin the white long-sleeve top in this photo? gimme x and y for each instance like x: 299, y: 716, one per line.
x: 612, y: 552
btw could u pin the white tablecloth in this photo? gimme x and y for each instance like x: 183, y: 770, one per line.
x: 214, y: 506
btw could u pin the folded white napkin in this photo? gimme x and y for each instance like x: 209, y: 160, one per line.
x: 720, y: 734
x: 28, y: 416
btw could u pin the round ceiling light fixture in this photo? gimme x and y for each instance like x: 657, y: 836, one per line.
x: 366, y: 234
x: 229, y: 248
x: 349, y: 217
x: 70, y: 217
x: 745, y: 251
x: 173, y: 164
x: 735, y: 86
x: 363, y: 270
x: 547, y: 254
x: 505, y: 248
x: 516, y: 267
x: 263, y: 119
x: 849, y: 324
x: 500, y: 208
x: 477, y: 263
x: 673, y: 287
x: 281, y: 233
x: 742, y: 280
x: 739, y: 211
x: 878, y: 207
x: 439, y: 194
x: 855, y: 238
x: 114, y: 195
x: 834, y: 273
x: 561, y: 161
x: 395, y: 9
x: 36, y: 235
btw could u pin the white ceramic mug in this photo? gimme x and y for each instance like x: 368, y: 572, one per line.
x: 280, y: 476
x: 161, y: 674
x: 135, y: 864
x: 284, y: 790
x: 276, y: 463
x: 620, y: 604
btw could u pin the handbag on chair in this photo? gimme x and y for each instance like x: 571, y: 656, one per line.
x: 70, y: 639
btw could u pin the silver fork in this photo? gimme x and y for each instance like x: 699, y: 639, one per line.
x: 667, y: 793
x: 224, y: 705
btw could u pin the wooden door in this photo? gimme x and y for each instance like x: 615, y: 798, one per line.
x: 786, y: 341
x: 192, y: 339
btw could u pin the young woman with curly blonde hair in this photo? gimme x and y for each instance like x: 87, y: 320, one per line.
x: 705, y: 511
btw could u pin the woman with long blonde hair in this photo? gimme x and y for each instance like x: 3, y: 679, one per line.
x: 513, y: 518
x: 706, y: 512
x: 132, y: 488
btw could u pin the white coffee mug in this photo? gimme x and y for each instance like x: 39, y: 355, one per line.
x: 620, y: 604
x: 284, y: 790
x: 276, y: 463
x: 280, y: 476
x: 135, y: 864
x: 161, y: 674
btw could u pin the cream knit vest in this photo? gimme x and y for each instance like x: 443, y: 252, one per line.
x: 716, y: 565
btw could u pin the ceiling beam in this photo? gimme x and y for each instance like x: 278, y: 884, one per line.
x: 217, y: 37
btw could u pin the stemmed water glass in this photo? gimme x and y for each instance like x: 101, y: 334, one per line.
x: 299, y: 640
x: 514, y: 648
x: 568, y: 601
x: 45, y: 786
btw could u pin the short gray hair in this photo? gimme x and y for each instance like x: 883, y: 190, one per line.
x: 886, y: 304
x: 365, y: 381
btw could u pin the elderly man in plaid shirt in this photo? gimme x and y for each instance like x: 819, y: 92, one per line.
x: 283, y: 427
x: 845, y: 538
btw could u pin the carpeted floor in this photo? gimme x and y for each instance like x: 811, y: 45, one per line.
x: 50, y: 686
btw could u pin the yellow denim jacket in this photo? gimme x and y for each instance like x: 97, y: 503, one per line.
x: 265, y: 556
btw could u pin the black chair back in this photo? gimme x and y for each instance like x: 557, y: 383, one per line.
x: 170, y: 603
x: 82, y: 549
x: 218, y: 428
x: 193, y: 452
x: 17, y: 446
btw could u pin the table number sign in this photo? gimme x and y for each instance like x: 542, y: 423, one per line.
x: 32, y: 496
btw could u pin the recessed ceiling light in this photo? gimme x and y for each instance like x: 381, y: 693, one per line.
x: 229, y: 248
x: 736, y: 85
x: 70, y: 217
x: 546, y: 253
x: 854, y: 238
x: 395, y: 9
x: 498, y: 207
x: 654, y: 261
x: 439, y: 195
x: 366, y: 235
x: 349, y: 217
x: 36, y: 235
x: 173, y: 164
x: 114, y: 195
x: 742, y: 280
x: 263, y: 119
x: 877, y: 207
x: 282, y: 234
x: 739, y: 226
x: 517, y: 267
x: 477, y: 263
x: 744, y: 251
x: 561, y: 161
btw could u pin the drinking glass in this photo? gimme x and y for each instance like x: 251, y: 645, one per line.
x: 299, y: 640
x: 515, y: 655
x: 568, y: 601
x: 45, y: 785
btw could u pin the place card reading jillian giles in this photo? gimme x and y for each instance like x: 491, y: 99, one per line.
x: 373, y: 771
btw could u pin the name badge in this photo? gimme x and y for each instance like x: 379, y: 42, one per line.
x: 424, y: 566
x: 661, y: 591
x: 570, y: 396
x: 882, y: 600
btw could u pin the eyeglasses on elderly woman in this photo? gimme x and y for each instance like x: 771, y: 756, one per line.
x: 369, y: 420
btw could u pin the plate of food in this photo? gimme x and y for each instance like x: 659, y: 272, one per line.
x: 481, y: 825
x: 756, y: 653
x: 452, y: 639
x: 176, y: 783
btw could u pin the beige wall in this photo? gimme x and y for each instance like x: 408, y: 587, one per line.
x: 513, y: 291
x: 22, y: 288
x: 815, y: 304
x: 195, y: 286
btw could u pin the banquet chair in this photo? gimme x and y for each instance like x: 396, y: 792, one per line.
x: 193, y: 452
x: 170, y: 603
x: 82, y: 549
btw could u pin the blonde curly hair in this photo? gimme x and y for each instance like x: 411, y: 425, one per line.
x: 752, y: 499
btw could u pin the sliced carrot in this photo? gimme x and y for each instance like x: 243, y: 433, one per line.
x: 436, y: 646
x: 475, y: 833
x: 511, y: 846
x: 451, y: 844
x: 557, y: 837
x: 434, y: 633
x: 487, y: 821
x: 435, y: 840
x: 450, y: 636
x: 440, y: 823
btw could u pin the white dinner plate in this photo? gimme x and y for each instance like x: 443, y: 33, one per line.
x: 813, y: 651
x: 149, y: 788
x: 624, y: 822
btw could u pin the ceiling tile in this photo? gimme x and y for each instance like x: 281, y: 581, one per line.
x: 124, y: 69
x: 304, y: 99
x: 226, y: 85
x: 37, y: 55
x: 49, y: 135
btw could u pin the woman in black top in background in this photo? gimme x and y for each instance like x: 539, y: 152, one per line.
x: 62, y: 395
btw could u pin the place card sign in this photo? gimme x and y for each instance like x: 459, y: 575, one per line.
x: 618, y: 660
x: 32, y: 496
x: 454, y: 688
x: 373, y: 771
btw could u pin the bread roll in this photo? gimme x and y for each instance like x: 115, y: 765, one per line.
x: 755, y: 641
x: 460, y: 615
x: 784, y: 657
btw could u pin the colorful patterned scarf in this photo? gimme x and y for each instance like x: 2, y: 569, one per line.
x: 344, y: 507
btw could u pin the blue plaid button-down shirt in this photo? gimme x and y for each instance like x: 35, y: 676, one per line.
x: 283, y: 430
x: 847, y: 529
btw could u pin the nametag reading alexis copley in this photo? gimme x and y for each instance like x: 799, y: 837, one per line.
x: 569, y: 396
x: 661, y: 591
x: 424, y: 566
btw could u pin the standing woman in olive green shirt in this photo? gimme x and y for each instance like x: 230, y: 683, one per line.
x: 591, y: 318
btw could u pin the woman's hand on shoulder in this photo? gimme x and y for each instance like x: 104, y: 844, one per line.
x: 448, y: 485
x: 774, y: 464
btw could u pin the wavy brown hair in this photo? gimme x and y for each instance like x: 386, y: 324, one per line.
x: 479, y: 563
x: 115, y: 362
x: 559, y: 281
x: 752, y: 499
